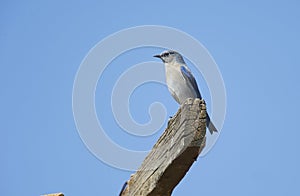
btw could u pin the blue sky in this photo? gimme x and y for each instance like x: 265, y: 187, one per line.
x: 255, y: 44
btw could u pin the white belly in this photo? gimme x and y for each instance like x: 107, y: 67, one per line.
x: 177, y: 85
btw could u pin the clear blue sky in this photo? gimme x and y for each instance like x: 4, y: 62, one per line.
x: 255, y: 44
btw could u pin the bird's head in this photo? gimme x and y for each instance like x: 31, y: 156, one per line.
x: 170, y: 56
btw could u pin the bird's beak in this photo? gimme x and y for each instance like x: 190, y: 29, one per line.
x: 157, y: 56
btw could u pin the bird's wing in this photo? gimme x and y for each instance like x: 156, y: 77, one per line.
x: 190, y: 79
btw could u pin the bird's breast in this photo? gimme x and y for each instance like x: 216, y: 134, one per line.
x: 177, y: 85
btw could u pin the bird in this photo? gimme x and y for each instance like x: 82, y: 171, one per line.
x: 180, y: 81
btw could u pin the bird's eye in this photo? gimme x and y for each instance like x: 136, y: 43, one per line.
x: 166, y: 54
x: 171, y: 53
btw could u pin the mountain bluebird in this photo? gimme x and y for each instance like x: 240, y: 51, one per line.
x: 180, y: 81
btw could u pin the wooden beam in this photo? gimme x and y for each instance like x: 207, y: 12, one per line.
x: 173, y: 154
x: 54, y: 194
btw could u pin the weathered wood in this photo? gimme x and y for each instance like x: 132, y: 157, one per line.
x: 173, y: 154
x: 54, y: 194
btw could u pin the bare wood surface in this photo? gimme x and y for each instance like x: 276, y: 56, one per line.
x: 173, y: 154
x: 54, y: 194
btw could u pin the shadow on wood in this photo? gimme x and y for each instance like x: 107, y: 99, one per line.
x: 173, y: 154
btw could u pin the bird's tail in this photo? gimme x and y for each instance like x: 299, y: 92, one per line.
x: 211, y: 127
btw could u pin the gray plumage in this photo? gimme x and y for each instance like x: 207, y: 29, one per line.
x: 181, y: 82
